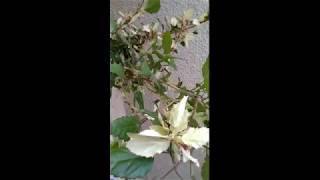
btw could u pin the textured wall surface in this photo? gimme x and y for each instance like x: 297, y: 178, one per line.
x: 189, y: 68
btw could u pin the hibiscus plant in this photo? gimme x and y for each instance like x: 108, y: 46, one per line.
x: 142, y: 58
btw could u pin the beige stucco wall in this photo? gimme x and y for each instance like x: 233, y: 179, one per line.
x: 189, y: 68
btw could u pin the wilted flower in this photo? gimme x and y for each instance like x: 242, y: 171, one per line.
x: 157, y: 75
x: 146, y: 28
x: 159, y: 34
x: 155, y: 26
x: 189, y: 36
x: 173, y: 45
x: 174, y: 21
x: 196, y: 22
x: 119, y: 20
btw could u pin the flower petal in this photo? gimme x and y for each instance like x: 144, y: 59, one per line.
x: 196, y: 137
x: 161, y: 130
x: 147, y: 146
x: 196, y: 22
x: 186, y: 156
x: 178, y: 117
x: 174, y: 21
x: 151, y: 132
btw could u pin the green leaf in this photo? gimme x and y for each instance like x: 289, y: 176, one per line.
x: 193, y: 123
x: 113, y: 24
x: 166, y: 42
x: 205, y: 74
x: 126, y: 164
x: 159, y: 88
x: 205, y: 169
x: 121, y: 126
x: 117, y: 69
x: 152, y: 6
x: 201, y: 108
x: 150, y: 58
x: 138, y: 97
x: 201, y: 117
x: 183, y: 92
x: 158, y: 54
x: 112, y: 81
x: 204, y: 17
x: 172, y: 64
x: 145, y: 70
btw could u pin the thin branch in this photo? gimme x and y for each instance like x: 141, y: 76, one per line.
x: 194, y: 109
x: 192, y: 26
x: 172, y: 169
x: 190, y: 170
x: 179, y: 89
x: 175, y: 170
x: 128, y: 21
x: 170, y: 104
x: 206, y: 147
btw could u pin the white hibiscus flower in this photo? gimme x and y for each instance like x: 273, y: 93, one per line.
x: 157, y: 139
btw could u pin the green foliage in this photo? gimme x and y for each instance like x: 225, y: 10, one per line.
x: 205, y: 74
x: 159, y: 88
x: 166, y: 42
x: 145, y: 70
x: 205, y: 169
x: 112, y: 81
x: 126, y: 164
x: 117, y: 69
x: 113, y: 24
x: 172, y: 64
x: 121, y: 126
x: 138, y: 97
x: 152, y: 6
x: 201, y: 108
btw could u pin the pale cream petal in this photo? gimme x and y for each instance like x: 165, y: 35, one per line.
x: 151, y: 132
x: 147, y: 146
x: 196, y: 137
x: 184, y: 123
x: 186, y: 156
x: 189, y: 37
x: 155, y: 27
x: 174, y: 21
x: 161, y: 120
x: 196, y: 22
x: 178, y: 117
x: 161, y: 130
x: 111, y: 139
